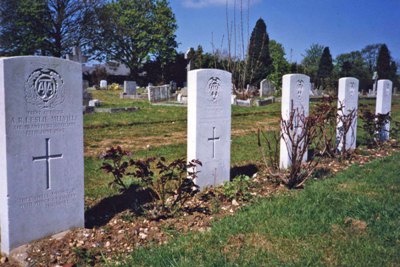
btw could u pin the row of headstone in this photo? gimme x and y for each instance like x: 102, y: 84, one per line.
x: 295, y: 104
x: 41, y: 139
x: 159, y: 93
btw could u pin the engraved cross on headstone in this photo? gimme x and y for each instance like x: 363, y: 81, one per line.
x: 47, y: 158
x: 213, y: 139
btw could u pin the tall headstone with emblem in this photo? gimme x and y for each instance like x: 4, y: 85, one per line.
x: 295, y: 106
x: 41, y: 148
x: 209, y: 124
x: 384, y: 105
x: 347, y: 113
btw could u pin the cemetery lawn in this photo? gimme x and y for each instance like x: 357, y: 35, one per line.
x: 350, y: 219
x: 156, y: 130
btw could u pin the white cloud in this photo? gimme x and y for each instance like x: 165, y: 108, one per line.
x: 210, y: 3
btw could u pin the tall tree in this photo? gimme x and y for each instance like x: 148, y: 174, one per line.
x: 354, y: 65
x: 165, y: 28
x: 383, y: 63
x: 129, y: 32
x: 325, y: 67
x: 22, y: 30
x: 311, y: 60
x: 259, y: 63
x: 279, y: 63
x: 370, y: 55
x: 46, y: 27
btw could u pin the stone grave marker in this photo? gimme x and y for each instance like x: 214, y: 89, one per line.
x: 129, y: 87
x: 266, y: 88
x: 348, y: 103
x: 384, y: 104
x: 103, y: 84
x: 209, y: 124
x: 295, y: 98
x: 41, y: 148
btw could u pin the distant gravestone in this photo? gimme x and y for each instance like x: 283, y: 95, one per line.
x: 87, y: 96
x: 41, y: 148
x: 209, y: 124
x: 347, y: 109
x: 129, y: 87
x: 159, y: 93
x: 384, y: 105
x: 295, y: 98
x: 103, y: 84
x: 266, y: 88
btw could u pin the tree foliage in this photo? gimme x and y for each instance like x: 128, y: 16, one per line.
x: 383, y: 63
x: 311, y: 60
x: 353, y: 64
x: 259, y: 63
x: 325, y: 67
x: 135, y: 31
x: 45, y: 27
x: 370, y: 55
x: 279, y: 63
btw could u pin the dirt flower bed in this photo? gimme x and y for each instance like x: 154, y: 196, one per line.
x: 109, y: 236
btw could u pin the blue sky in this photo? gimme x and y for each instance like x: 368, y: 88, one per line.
x: 343, y: 25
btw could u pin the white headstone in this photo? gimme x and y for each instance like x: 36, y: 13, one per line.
x: 384, y: 104
x: 209, y: 124
x: 347, y: 105
x: 41, y: 148
x: 295, y: 98
x: 94, y: 103
x: 103, y: 84
x: 129, y: 87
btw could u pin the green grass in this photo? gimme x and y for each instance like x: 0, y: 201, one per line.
x: 310, y: 227
x: 163, y: 128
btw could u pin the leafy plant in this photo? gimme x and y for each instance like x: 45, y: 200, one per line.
x: 374, y: 126
x: 238, y: 188
x: 170, y: 184
x: 114, y: 163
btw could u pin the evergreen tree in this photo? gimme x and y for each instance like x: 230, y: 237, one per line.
x: 259, y: 63
x: 325, y: 67
x: 383, y: 63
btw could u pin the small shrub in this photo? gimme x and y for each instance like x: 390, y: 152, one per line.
x: 171, y: 184
x: 238, y: 188
x: 114, y: 163
x: 114, y: 87
x: 374, y: 126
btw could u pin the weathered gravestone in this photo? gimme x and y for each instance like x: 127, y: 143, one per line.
x: 209, y: 124
x: 266, y: 88
x: 41, y: 148
x: 103, y: 84
x: 159, y: 93
x: 347, y: 113
x: 384, y: 105
x: 129, y: 87
x: 295, y: 105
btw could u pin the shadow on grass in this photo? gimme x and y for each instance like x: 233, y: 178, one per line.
x: 249, y: 170
x: 132, y: 199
